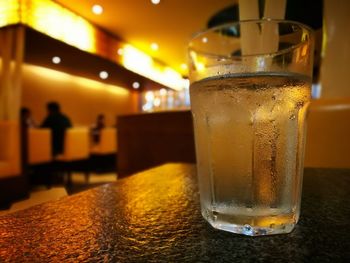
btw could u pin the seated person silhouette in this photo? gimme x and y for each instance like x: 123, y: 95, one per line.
x: 26, y: 118
x: 97, y: 127
x: 57, y: 122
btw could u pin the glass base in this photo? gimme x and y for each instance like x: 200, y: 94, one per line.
x: 251, y: 226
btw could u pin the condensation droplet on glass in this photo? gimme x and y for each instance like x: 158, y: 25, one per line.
x: 247, y: 228
x: 299, y: 104
x: 292, y: 117
x: 251, y: 120
x: 215, y: 215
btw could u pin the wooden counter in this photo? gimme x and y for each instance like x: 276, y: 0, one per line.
x: 154, y: 216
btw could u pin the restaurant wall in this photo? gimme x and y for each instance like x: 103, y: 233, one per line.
x: 80, y: 98
x: 335, y: 69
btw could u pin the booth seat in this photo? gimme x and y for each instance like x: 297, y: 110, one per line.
x: 328, y: 134
x: 76, y: 145
x: 76, y: 153
x: 104, y: 154
x: 39, y: 146
x: 107, y: 143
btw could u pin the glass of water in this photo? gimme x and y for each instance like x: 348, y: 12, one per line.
x: 250, y: 89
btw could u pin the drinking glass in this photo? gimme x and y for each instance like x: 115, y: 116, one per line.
x: 250, y: 89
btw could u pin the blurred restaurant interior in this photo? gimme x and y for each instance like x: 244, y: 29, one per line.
x: 118, y: 72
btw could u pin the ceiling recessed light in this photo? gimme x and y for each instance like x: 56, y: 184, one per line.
x: 56, y: 60
x: 154, y: 46
x: 204, y: 40
x: 103, y: 74
x: 120, y: 51
x: 155, y: 2
x: 97, y: 9
x: 135, y: 85
x: 200, y: 66
x: 184, y: 66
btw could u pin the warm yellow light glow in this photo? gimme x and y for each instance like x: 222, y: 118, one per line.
x: 56, y: 21
x: 120, y: 51
x: 154, y: 46
x: 200, y: 66
x: 55, y: 75
x: 155, y: 2
x: 60, y: 23
x: 9, y: 12
x: 172, y: 76
x: 139, y: 62
x: 184, y: 66
x: 134, y: 58
x: 51, y: 19
x: 97, y: 9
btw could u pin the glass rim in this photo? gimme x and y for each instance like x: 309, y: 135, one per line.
x: 238, y: 57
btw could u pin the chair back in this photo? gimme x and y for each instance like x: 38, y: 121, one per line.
x: 39, y: 146
x: 76, y: 144
x: 107, y: 143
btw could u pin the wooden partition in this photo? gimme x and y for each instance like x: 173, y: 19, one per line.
x: 151, y: 139
x: 328, y: 134
x: 13, y: 183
